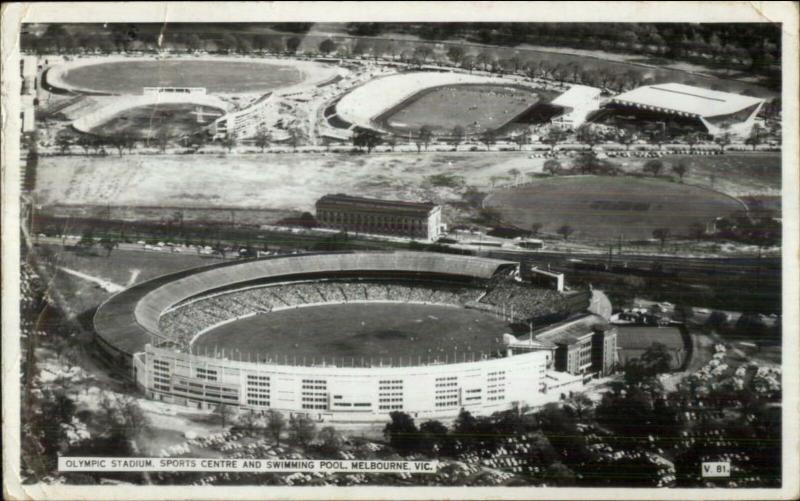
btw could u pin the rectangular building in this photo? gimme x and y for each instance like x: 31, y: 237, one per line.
x: 587, y: 345
x: 418, y: 220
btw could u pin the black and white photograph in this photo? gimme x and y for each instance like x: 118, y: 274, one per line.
x: 474, y: 252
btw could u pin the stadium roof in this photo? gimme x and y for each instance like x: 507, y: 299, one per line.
x: 416, y: 208
x: 687, y: 99
x: 577, y: 95
x: 571, y: 331
x: 129, y: 319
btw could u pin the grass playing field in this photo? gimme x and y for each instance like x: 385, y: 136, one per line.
x: 607, y: 207
x: 174, y: 119
x: 128, y: 77
x: 361, y: 330
x: 633, y: 341
x: 476, y: 107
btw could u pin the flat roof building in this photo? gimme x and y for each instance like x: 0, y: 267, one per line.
x: 719, y: 112
x: 386, y: 217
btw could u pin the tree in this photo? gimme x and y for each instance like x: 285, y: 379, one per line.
x: 520, y: 140
x: 109, y: 244
x: 228, y: 142
x: 653, y: 166
x: 86, y: 143
x: 587, y: 134
x: 327, y: 46
x: 661, y: 234
x: 559, y: 475
x: 455, y: 53
x: 366, y: 138
x: 723, y: 141
x: 581, y: 404
x: 553, y: 137
x: 292, y: 44
x: 754, y: 139
x: 330, y: 440
x: 249, y: 420
x: 275, y: 425
x: 536, y: 228
x: 64, y: 144
x: 692, y: 139
x: 433, y: 436
x: 697, y: 231
x: 457, y: 136
x: 301, y: 429
x: 587, y: 162
x: 295, y: 136
x: 565, y: 231
x: 87, y: 239
x: 401, y: 432
x: 657, y: 359
x: 488, y: 138
x: 225, y: 413
x: 193, y: 43
x: 162, y: 139
x: 227, y: 43
x: 424, y: 137
x: 680, y: 168
x: 514, y: 173
x: 552, y: 166
x: 262, y: 138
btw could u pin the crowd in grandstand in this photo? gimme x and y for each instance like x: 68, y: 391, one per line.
x: 186, y: 320
x: 522, y: 302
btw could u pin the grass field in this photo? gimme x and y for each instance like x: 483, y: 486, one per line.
x: 174, y: 119
x: 128, y: 77
x: 633, y: 341
x: 361, y: 330
x: 605, y: 207
x: 476, y: 107
x: 293, y: 182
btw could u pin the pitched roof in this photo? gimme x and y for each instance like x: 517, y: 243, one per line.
x: 420, y: 208
x: 687, y: 99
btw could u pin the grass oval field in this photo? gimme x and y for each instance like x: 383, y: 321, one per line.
x: 361, y: 330
x: 606, y: 207
x: 475, y: 107
x: 217, y: 76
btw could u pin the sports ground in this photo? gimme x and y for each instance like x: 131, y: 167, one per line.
x: 174, y: 119
x: 634, y: 341
x: 475, y: 107
x: 609, y: 207
x: 219, y: 76
x: 359, y: 330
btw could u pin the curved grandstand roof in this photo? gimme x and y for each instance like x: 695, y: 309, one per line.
x: 687, y: 99
x: 128, y: 320
x: 368, y: 101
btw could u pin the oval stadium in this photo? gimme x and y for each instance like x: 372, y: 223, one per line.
x: 350, y: 337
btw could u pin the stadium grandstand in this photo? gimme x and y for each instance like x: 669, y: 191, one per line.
x: 683, y: 108
x: 153, y: 327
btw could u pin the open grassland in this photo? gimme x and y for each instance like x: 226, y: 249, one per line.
x: 293, y: 182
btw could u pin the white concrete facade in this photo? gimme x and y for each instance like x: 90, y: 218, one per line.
x: 359, y: 394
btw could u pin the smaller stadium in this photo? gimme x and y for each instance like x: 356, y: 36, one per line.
x: 403, y: 103
x: 352, y: 336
